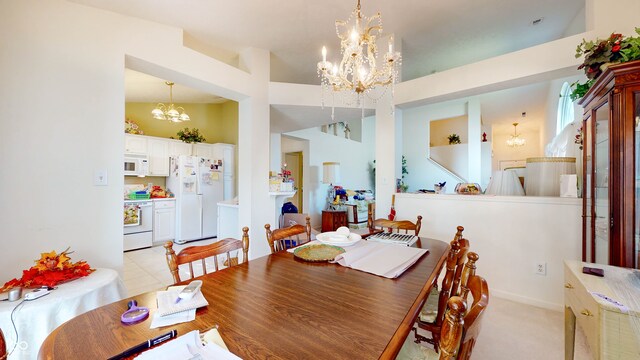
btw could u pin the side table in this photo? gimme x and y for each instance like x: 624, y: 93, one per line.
x: 333, y: 219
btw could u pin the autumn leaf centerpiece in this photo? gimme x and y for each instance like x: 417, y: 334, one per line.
x: 51, y: 269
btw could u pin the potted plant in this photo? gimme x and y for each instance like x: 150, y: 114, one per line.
x: 599, y: 54
x: 190, y: 136
x: 453, y: 139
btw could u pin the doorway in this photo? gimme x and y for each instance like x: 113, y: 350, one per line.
x: 294, y: 164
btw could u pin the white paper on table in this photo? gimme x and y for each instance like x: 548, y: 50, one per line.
x: 177, y: 318
x: 388, y: 260
x: 187, y: 347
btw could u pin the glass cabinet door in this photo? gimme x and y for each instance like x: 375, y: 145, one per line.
x: 587, y: 185
x: 601, y: 212
x: 636, y: 231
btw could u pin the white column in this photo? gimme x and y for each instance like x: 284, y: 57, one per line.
x: 385, y: 155
x: 475, y: 141
x: 256, y: 208
x: 275, y: 152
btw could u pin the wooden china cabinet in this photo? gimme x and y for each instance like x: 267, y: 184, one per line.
x: 611, y: 171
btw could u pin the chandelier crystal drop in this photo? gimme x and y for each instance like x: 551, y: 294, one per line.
x: 359, y: 71
x: 170, y: 112
x: 515, y: 140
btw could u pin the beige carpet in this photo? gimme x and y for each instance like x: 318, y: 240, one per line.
x: 512, y: 330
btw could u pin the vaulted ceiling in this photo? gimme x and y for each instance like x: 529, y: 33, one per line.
x: 434, y: 35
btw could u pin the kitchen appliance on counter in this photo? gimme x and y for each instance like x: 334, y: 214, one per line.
x: 138, y: 224
x: 136, y: 165
x: 198, y: 187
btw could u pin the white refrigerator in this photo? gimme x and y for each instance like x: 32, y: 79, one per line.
x: 197, y: 184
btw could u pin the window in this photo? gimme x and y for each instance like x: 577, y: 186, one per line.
x: 565, y: 108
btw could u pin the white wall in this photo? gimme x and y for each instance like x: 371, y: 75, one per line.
x: 354, y: 158
x: 415, y: 144
x: 63, y: 96
x: 502, y: 152
x: 510, y: 234
x: 439, y: 130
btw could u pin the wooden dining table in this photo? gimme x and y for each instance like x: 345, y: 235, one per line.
x: 276, y: 307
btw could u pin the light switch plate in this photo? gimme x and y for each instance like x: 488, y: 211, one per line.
x: 100, y: 178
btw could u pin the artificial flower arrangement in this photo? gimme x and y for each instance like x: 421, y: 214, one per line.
x: 285, y: 174
x: 601, y: 53
x: 130, y: 127
x: 50, y: 270
x: 190, y: 136
x: 578, y: 139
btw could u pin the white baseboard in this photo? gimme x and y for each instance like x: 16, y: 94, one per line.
x: 527, y: 300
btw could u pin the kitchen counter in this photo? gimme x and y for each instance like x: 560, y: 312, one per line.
x: 229, y: 203
x: 146, y: 200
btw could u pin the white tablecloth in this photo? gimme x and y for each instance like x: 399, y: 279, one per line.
x: 37, y: 318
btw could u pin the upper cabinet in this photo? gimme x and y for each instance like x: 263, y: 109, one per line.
x: 203, y: 150
x: 159, y: 150
x: 177, y: 148
x: 135, y: 144
x: 611, y: 168
x: 158, y: 157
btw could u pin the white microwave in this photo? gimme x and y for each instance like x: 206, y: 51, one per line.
x: 136, y: 165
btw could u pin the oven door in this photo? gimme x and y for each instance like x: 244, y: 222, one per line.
x: 138, y: 217
x: 132, y: 216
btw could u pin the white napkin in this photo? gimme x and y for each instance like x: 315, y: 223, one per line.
x: 388, y: 260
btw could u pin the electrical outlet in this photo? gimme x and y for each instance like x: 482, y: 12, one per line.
x: 541, y: 268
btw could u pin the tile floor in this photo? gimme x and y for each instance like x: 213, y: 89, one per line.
x: 510, y: 330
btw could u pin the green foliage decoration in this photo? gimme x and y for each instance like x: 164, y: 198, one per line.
x: 599, y: 54
x: 190, y: 136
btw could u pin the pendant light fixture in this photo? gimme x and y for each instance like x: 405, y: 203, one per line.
x: 515, y: 140
x: 361, y: 69
x: 170, y: 112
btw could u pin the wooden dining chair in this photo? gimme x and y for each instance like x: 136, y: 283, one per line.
x: 455, y: 280
x: 285, y: 238
x: 194, y: 253
x: 460, y: 329
x: 397, y: 226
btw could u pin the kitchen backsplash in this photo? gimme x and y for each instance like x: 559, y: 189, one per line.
x: 156, y: 180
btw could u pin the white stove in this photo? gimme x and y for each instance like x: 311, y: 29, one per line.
x: 138, y: 224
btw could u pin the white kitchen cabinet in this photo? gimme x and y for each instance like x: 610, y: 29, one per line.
x: 177, y: 148
x: 204, y: 151
x: 164, y: 220
x: 135, y: 144
x: 158, y: 157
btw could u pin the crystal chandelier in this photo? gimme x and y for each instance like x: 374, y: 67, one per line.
x: 515, y: 140
x: 170, y: 112
x: 358, y: 73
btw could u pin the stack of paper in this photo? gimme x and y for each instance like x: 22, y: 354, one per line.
x: 169, y: 312
x: 187, y: 347
x: 381, y: 259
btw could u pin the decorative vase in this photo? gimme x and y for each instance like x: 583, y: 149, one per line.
x: 286, y: 186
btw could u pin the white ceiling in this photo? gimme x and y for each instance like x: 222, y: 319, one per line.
x: 139, y: 87
x: 435, y: 35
